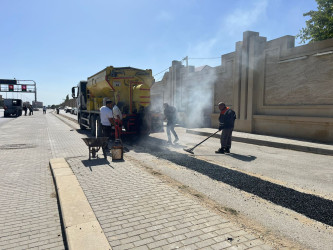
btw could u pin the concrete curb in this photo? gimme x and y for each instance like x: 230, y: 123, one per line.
x: 83, y: 231
x: 295, y: 147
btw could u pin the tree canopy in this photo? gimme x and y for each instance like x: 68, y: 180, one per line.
x: 320, y: 25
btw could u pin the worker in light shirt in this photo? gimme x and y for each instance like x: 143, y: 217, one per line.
x: 117, y: 116
x: 106, y: 118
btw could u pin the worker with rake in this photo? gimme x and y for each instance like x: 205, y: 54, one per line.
x: 227, y: 121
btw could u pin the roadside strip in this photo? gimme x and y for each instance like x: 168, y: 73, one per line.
x: 271, y: 143
x: 83, y: 231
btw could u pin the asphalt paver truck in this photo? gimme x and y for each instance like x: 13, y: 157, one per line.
x: 129, y: 89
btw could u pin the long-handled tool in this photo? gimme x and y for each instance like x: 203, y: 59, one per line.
x: 190, y: 150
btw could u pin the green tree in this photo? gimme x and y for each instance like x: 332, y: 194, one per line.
x: 320, y: 25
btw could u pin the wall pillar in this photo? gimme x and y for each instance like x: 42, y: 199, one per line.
x: 247, y: 58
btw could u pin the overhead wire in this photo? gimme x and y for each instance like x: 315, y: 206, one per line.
x: 168, y: 68
x: 161, y: 72
x: 188, y: 58
x: 207, y: 58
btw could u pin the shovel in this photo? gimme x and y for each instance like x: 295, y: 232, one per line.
x: 190, y: 150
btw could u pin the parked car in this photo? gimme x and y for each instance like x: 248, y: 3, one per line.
x: 68, y: 110
x: 74, y: 111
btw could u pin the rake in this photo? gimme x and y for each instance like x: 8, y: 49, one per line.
x: 190, y: 150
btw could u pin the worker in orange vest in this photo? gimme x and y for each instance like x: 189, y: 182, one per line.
x: 227, y: 121
x: 118, y: 124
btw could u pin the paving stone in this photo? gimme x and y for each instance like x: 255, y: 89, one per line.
x: 205, y: 243
x: 190, y: 241
x: 221, y: 245
x: 26, y: 186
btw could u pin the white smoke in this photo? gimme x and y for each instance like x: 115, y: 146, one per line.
x: 199, y: 98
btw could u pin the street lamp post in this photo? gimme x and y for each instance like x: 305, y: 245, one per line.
x: 35, y: 91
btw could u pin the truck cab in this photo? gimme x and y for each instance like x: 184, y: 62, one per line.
x: 12, y: 107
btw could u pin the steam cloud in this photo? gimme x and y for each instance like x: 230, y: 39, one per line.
x: 199, y: 99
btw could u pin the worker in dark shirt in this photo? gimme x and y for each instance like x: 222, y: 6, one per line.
x: 170, y: 114
x: 227, y: 121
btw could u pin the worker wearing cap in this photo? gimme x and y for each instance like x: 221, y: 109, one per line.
x: 107, y: 118
x: 117, y: 116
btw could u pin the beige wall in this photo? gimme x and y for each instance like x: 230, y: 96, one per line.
x: 274, y: 87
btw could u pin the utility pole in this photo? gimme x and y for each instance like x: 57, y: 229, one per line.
x: 35, y: 91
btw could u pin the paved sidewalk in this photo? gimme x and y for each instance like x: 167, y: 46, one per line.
x: 270, y: 141
x: 137, y: 210
x: 29, y: 216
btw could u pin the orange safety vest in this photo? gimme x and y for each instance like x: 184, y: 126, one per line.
x: 224, y: 110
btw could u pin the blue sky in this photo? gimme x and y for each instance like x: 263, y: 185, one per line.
x: 58, y: 43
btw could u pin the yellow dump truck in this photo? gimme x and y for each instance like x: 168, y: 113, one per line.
x: 129, y: 88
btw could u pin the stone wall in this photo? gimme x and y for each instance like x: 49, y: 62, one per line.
x: 274, y: 87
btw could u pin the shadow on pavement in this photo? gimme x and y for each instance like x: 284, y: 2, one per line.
x: 95, y: 162
x: 247, y: 158
x: 312, y: 206
x: 84, y: 132
x: 242, y: 157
